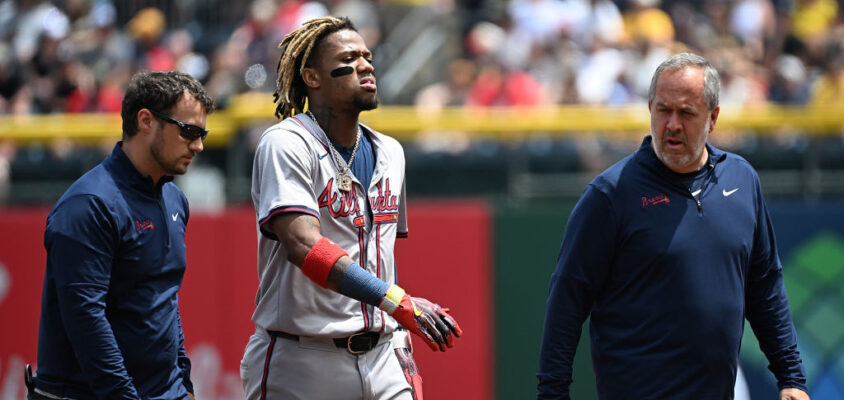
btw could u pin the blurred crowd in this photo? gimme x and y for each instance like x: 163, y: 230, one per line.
x: 605, y: 52
x: 71, y: 56
x: 76, y: 55
x: 602, y: 52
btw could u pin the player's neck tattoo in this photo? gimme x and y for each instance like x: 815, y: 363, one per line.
x: 322, y: 115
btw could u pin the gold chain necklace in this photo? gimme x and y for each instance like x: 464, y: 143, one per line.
x: 344, y: 179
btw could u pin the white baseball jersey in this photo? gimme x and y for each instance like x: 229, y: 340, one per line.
x: 294, y: 171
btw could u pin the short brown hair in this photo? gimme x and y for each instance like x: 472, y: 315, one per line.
x: 159, y: 91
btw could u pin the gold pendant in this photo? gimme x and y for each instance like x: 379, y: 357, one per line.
x: 344, y: 182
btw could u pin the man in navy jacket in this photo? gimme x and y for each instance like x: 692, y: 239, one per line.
x: 668, y: 251
x: 110, y: 325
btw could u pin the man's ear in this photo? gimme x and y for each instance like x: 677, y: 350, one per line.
x: 145, y: 120
x: 714, y: 118
x: 310, y: 77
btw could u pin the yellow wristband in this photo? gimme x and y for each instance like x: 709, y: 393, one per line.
x: 391, y: 299
x: 395, y: 293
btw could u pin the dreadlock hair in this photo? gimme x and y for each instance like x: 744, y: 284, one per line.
x: 296, y: 50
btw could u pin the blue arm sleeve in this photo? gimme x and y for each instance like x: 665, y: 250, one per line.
x: 585, y: 258
x: 360, y: 285
x: 767, y: 305
x: 80, y: 246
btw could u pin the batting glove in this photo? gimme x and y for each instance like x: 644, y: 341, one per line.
x: 427, y: 320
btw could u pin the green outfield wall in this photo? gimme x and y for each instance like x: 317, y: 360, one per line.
x: 527, y: 241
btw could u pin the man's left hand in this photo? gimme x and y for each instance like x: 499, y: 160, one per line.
x: 793, y: 394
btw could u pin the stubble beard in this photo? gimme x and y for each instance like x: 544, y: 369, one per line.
x: 157, y: 150
x: 366, y: 103
x: 670, y: 159
x: 674, y: 161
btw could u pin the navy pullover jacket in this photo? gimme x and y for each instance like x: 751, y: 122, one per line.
x: 668, y: 275
x: 110, y: 325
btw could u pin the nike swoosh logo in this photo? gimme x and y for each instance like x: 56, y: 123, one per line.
x: 323, y: 156
x: 696, y: 192
x: 175, y: 217
x: 727, y: 193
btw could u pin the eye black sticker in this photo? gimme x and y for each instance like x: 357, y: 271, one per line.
x: 342, y: 71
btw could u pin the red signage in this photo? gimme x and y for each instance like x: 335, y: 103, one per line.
x: 446, y: 258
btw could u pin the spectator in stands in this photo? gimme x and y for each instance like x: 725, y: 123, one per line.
x: 73, y: 68
x: 789, y: 81
x: 452, y: 92
x: 496, y: 86
x: 812, y: 21
x: 828, y: 90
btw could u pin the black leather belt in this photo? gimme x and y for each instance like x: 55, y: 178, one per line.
x: 358, y: 343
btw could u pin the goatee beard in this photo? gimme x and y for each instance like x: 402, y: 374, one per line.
x: 366, y: 104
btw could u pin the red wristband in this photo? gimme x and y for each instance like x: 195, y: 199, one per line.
x: 320, y: 259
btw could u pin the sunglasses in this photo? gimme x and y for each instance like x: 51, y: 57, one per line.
x: 188, y: 131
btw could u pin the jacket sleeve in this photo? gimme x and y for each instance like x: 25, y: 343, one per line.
x: 584, y: 262
x: 81, y: 240
x: 183, y: 360
x: 767, y: 305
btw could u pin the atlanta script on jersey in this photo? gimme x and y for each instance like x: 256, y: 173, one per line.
x: 294, y: 172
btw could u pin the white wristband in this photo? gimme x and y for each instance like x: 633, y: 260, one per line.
x: 391, y: 299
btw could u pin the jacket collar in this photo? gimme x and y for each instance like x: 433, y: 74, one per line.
x: 126, y: 173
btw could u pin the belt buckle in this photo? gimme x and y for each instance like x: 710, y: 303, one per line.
x: 356, y: 335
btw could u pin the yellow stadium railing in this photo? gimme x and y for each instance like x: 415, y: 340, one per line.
x: 503, y: 123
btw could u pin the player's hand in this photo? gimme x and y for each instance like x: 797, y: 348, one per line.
x: 445, y: 323
x: 428, y: 321
x: 793, y: 394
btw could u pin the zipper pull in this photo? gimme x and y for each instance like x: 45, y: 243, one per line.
x: 695, y: 196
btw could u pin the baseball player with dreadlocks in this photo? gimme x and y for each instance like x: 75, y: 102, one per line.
x: 329, y: 194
